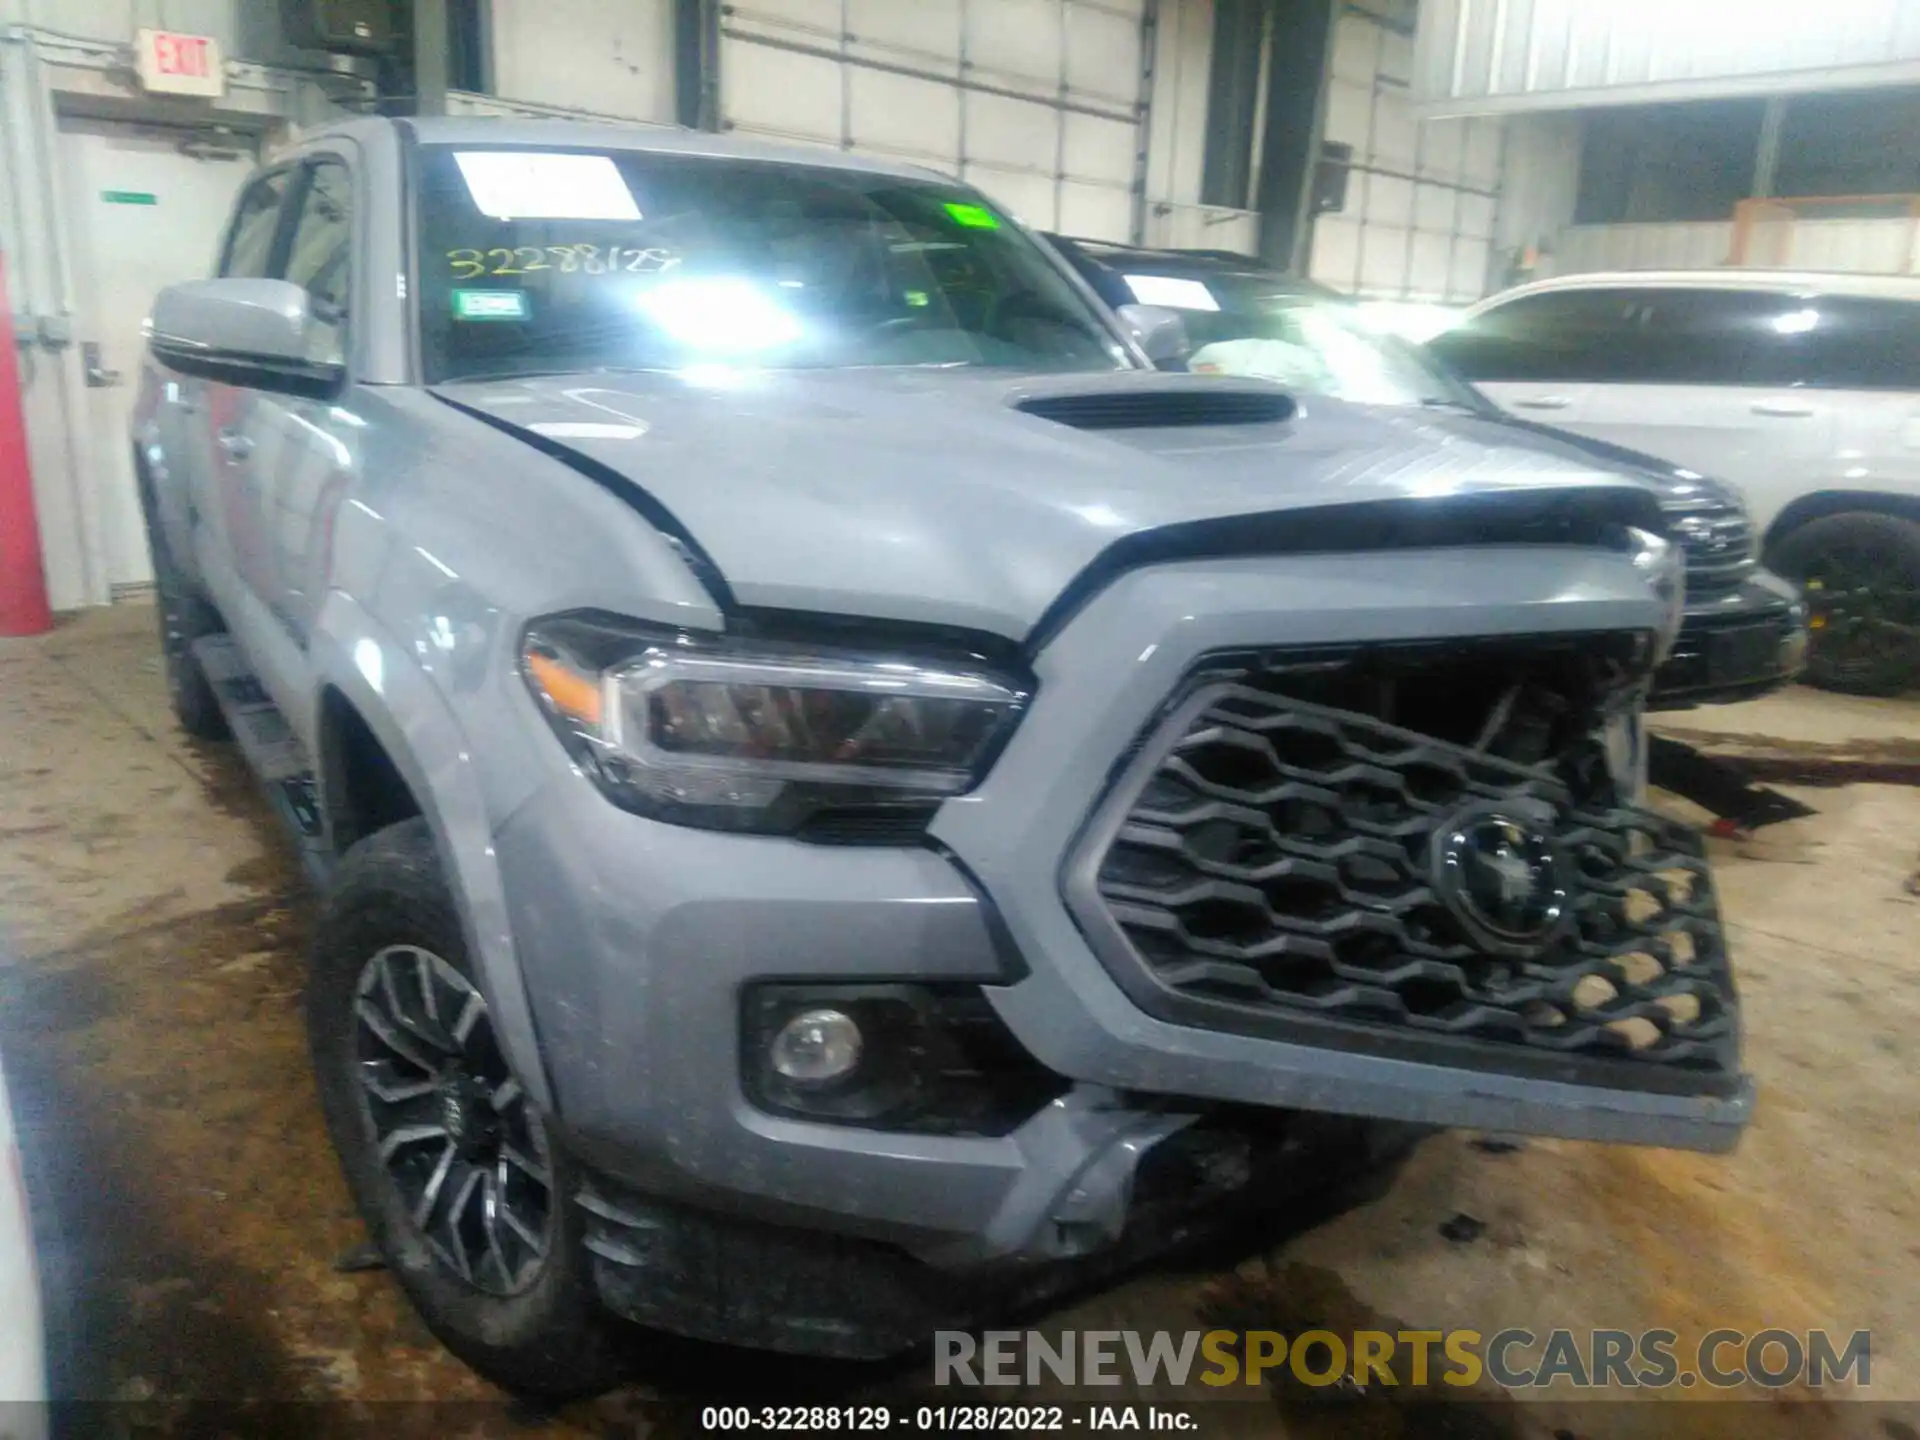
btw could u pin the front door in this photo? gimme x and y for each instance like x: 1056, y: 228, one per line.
x: 147, y: 205
x: 1721, y: 380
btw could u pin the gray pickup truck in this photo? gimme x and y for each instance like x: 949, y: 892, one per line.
x: 844, y: 797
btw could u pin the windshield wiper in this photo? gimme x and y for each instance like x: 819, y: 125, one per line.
x: 1453, y: 407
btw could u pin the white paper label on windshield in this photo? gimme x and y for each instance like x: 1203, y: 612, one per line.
x: 543, y: 185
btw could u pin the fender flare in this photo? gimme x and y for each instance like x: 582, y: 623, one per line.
x: 351, y: 653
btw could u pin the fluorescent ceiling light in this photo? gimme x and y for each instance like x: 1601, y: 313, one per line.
x: 1174, y: 293
x: 546, y: 185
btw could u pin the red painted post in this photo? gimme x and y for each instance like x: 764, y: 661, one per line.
x: 23, y: 577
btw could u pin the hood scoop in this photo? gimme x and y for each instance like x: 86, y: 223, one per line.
x: 1139, y: 409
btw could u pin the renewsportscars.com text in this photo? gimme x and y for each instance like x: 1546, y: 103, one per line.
x: 1514, y: 1359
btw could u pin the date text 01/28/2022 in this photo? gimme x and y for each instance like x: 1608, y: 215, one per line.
x: 943, y: 1419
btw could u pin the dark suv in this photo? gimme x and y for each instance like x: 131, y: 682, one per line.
x: 1745, y: 631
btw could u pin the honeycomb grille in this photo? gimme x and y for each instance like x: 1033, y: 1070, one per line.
x: 1274, y: 871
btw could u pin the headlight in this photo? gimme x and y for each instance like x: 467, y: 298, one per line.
x: 761, y: 736
x: 1664, y: 566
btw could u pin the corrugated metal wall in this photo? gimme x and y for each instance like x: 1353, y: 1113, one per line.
x: 246, y: 29
x: 1041, y: 103
x: 1539, y: 187
x: 1418, y: 223
x: 1871, y: 246
x: 1485, y: 56
x: 1038, y: 102
x: 1177, y: 135
x: 116, y: 20
x: 592, y: 55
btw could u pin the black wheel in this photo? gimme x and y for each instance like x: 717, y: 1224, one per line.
x: 1861, y: 575
x: 184, y: 618
x: 462, y: 1188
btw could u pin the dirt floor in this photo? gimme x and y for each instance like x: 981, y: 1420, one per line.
x: 192, y: 1216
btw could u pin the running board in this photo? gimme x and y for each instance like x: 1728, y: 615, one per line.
x: 273, y: 751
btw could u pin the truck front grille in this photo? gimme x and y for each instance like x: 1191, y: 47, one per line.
x: 1718, y: 542
x: 1279, y: 865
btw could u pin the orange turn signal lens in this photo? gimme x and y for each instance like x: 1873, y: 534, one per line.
x: 574, y: 695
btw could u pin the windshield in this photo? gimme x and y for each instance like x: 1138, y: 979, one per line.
x: 537, y: 260
x: 1240, y: 325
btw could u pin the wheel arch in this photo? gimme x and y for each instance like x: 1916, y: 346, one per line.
x: 378, y: 718
x: 1818, y: 504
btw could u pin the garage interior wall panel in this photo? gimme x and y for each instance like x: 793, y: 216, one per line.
x: 1421, y: 201
x: 116, y: 20
x: 1485, y: 56
x: 1037, y: 102
x: 1176, y: 149
x: 1875, y: 246
x: 602, y: 57
x: 1540, y: 184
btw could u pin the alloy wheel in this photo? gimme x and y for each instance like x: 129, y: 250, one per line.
x: 1865, y: 608
x: 453, y: 1130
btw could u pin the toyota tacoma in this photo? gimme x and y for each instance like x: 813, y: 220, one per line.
x: 843, y: 797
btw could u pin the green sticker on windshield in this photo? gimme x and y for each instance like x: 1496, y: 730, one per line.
x: 490, y: 305
x: 974, y: 217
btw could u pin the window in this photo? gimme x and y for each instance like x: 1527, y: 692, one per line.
x: 1706, y: 336
x: 1245, y: 324
x: 319, y: 252
x: 1563, y: 335
x: 1853, y: 343
x: 256, y: 224
x: 1716, y: 337
x: 563, y: 261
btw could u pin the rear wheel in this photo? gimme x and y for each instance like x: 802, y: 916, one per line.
x: 454, y: 1169
x: 1861, y: 575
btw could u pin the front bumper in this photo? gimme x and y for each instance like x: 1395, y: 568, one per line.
x: 638, y: 941
x: 1735, y: 645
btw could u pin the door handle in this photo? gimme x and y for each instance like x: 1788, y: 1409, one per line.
x: 237, y: 445
x: 1784, y: 409
x: 1545, y: 402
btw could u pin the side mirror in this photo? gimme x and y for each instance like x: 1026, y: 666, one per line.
x: 259, y: 333
x: 1160, y: 332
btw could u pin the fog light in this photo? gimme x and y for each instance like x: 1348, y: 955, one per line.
x: 816, y: 1046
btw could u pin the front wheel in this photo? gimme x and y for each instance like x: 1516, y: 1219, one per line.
x: 1861, y: 575
x: 463, y: 1190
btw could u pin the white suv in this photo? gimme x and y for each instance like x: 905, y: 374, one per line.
x: 1801, y: 389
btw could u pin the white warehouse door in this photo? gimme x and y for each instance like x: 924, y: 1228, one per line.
x: 1037, y: 102
x: 146, y: 206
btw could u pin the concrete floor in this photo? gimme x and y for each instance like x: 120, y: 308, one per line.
x: 192, y: 1212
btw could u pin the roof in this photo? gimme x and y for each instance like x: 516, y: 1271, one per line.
x: 1786, y: 282
x: 1196, y: 264
x: 612, y: 135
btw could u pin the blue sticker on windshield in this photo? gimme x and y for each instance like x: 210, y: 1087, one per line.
x: 491, y: 305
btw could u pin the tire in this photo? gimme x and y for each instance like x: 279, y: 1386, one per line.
x: 184, y: 618
x: 1861, y: 574
x: 525, y: 1317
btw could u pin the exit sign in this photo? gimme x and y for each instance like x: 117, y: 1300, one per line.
x: 173, y: 63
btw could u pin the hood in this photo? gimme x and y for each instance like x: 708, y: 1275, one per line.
x: 930, y: 495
